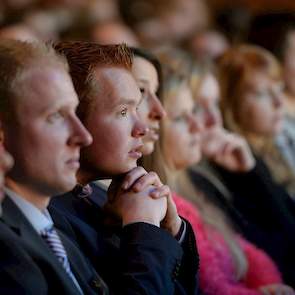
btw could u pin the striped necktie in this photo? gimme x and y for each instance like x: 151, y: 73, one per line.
x: 52, y: 239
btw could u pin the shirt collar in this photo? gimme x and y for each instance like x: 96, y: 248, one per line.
x: 40, y: 220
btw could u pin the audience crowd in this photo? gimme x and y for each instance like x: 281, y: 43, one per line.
x: 147, y: 148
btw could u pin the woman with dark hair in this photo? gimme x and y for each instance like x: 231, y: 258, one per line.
x: 228, y: 263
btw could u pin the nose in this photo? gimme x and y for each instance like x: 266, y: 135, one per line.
x: 157, y: 111
x: 195, y: 124
x: 278, y: 99
x: 80, y: 136
x: 139, y: 128
x: 210, y: 119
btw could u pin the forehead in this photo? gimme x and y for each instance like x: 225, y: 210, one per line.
x: 41, y: 88
x: 115, y: 85
x: 143, y: 69
x: 209, y: 88
x: 259, y: 79
x: 181, y: 100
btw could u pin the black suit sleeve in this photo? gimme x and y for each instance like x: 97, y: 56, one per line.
x: 187, y: 270
x: 269, y: 213
x: 150, y: 259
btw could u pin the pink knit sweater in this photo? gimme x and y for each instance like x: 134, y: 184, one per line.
x: 216, y: 272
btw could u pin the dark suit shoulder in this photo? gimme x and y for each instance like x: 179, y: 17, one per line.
x: 18, y: 272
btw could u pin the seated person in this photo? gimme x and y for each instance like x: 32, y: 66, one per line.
x: 229, y: 264
x: 109, y: 98
x: 18, y: 273
x: 44, y: 136
x: 239, y: 183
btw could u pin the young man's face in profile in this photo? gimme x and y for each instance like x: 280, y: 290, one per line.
x: 45, y: 136
x: 114, y: 124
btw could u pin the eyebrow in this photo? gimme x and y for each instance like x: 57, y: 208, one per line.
x: 146, y: 81
x: 131, y: 102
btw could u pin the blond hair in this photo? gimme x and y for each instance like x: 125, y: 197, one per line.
x: 180, y: 182
x: 16, y: 58
x: 237, y: 66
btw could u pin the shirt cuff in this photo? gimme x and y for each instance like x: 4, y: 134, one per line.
x: 181, y: 233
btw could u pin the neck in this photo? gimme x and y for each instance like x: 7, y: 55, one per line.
x: 38, y: 200
x: 84, y: 177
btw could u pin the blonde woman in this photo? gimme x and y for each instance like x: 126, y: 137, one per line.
x: 229, y: 264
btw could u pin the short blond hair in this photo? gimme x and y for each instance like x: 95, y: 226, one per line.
x: 16, y: 57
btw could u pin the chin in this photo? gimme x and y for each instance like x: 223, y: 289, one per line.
x: 148, y: 148
x: 69, y: 184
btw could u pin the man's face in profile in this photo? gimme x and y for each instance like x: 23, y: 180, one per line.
x: 45, y: 137
x: 114, y: 124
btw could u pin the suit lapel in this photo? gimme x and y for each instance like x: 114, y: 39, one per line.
x: 34, y: 244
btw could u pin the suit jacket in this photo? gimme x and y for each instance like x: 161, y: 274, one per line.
x: 138, y: 259
x: 18, y: 272
x: 57, y: 279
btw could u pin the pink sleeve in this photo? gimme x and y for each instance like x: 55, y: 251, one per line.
x: 261, y: 269
x: 214, y: 277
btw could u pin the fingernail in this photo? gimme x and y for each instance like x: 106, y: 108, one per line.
x: 125, y: 185
x: 136, y: 188
x: 155, y: 194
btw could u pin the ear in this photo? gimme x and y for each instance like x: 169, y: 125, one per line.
x: 1, y: 136
x: 1, y: 133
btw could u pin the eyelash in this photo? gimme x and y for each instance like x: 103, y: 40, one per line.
x: 123, y: 112
x: 55, y: 116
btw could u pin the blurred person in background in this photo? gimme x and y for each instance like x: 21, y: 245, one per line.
x: 18, y: 32
x: 252, y: 106
x: 208, y: 45
x: 113, y: 33
x: 162, y: 22
x: 228, y: 262
x: 276, y: 32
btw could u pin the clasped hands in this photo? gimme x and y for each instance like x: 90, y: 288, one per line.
x: 140, y: 196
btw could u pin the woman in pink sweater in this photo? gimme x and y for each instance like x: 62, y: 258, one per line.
x: 217, y: 273
x: 229, y: 265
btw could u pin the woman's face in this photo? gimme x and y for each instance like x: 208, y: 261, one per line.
x: 150, y: 109
x: 259, y: 109
x: 181, y: 130
x: 207, y: 100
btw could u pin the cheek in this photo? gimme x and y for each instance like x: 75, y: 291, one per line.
x: 143, y: 111
x: 176, y: 143
x: 257, y: 116
x: 110, y: 140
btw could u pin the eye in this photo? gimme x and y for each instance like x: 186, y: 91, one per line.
x: 123, y: 112
x: 197, y: 109
x: 179, y: 118
x: 143, y: 91
x: 55, y: 117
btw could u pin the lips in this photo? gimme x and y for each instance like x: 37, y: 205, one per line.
x: 136, y: 152
x: 153, y: 134
x: 73, y: 163
x: 195, y: 141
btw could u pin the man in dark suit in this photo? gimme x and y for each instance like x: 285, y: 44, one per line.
x: 109, y: 98
x: 40, y: 129
x: 18, y: 273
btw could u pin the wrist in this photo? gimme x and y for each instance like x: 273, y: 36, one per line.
x: 135, y: 219
x: 174, y: 226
